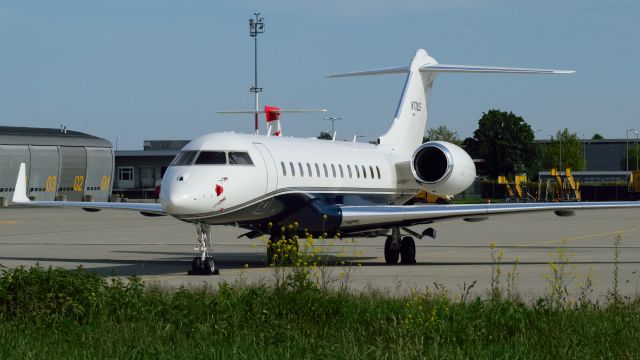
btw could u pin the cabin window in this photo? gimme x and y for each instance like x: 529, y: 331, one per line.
x: 378, y: 170
x: 309, y: 170
x: 293, y: 170
x: 284, y: 168
x: 371, y: 171
x: 341, y: 171
x: 317, y: 170
x: 184, y: 158
x: 211, y: 158
x: 326, y: 172
x: 364, y: 172
x: 301, y: 169
x: 357, y: 171
x: 239, y: 158
x: 349, y: 170
x: 333, y: 170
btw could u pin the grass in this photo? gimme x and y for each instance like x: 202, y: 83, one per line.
x: 55, y: 313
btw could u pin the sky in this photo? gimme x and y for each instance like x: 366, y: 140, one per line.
x: 158, y: 69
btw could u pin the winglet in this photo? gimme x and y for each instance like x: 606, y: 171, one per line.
x: 20, y: 192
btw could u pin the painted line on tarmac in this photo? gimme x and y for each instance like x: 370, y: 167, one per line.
x: 582, y: 237
x: 7, y: 222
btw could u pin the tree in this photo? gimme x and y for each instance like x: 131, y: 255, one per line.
x: 565, y: 147
x: 506, y: 144
x: 442, y: 133
x: 633, y: 155
x: 597, y: 136
x: 324, y: 135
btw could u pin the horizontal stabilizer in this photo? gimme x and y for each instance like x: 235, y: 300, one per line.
x: 448, y: 68
x: 385, y: 71
x: 233, y: 112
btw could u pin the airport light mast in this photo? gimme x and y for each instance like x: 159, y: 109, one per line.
x: 256, y: 26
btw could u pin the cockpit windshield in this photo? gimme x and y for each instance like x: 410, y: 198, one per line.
x: 184, y: 158
x: 212, y: 158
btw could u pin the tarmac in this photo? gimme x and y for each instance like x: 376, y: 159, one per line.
x: 160, y: 250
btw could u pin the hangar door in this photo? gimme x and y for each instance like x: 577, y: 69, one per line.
x: 99, y: 173
x: 10, y: 158
x: 44, y: 173
x: 73, y: 168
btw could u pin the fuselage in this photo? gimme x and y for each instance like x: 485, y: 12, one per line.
x: 224, y: 178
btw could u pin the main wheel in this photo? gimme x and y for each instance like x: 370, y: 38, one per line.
x: 390, y: 255
x: 408, y: 250
x: 196, y: 266
x: 208, y: 267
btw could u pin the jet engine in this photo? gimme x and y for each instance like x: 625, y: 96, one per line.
x: 443, y: 168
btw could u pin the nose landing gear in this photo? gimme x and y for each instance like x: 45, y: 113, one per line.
x: 203, y: 264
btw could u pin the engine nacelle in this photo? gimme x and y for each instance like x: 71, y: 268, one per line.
x: 443, y: 168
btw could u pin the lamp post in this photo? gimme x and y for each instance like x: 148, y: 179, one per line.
x: 635, y: 132
x: 256, y: 27
x: 627, y: 143
x: 584, y: 150
x: 333, y: 120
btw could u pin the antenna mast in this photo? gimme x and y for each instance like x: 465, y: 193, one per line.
x: 256, y: 26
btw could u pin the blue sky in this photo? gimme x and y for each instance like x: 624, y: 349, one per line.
x: 154, y: 69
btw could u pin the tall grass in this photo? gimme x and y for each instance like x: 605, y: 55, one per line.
x: 54, y: 313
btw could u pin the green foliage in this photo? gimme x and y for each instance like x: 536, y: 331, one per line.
x: 633, y: 154
x: 442, y: 133
x: 569, y: 146
x: 324, y: 135
x: 129, y: 320
x: 505, y: 142
x: 597, y: 136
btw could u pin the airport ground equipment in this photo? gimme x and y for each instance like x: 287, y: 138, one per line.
x: 561, y: 188
x: 516, y: 190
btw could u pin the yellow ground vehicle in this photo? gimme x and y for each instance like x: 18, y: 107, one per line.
x: 428, y: 198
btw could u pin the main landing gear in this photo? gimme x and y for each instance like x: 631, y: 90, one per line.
x: 399, y: 248
x: 203, y: 264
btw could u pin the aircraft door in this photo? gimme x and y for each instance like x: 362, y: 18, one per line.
x: 270, y: 167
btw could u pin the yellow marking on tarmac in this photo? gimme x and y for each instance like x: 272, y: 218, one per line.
x: 7, y: 222
x: 583, y: 237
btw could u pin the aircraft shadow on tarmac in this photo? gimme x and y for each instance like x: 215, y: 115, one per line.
x: 237, y: 261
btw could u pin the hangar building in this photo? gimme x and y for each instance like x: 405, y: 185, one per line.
x: 61, y: 164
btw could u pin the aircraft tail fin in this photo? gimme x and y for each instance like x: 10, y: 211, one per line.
x: 410, y: 120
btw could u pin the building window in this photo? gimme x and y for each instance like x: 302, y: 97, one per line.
x: 284, y: 168
x: 125, y: 174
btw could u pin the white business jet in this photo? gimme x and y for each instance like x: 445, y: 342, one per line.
x: 353, y: 189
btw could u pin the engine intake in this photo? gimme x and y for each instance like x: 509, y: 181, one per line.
x: 443, y: 168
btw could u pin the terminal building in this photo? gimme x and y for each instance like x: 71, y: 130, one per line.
x: 60, y: 164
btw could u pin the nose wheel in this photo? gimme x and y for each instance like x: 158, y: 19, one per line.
x: 203, y: 264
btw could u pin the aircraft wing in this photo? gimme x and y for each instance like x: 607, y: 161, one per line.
x: 20, y: 198
x: 360, y: 218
